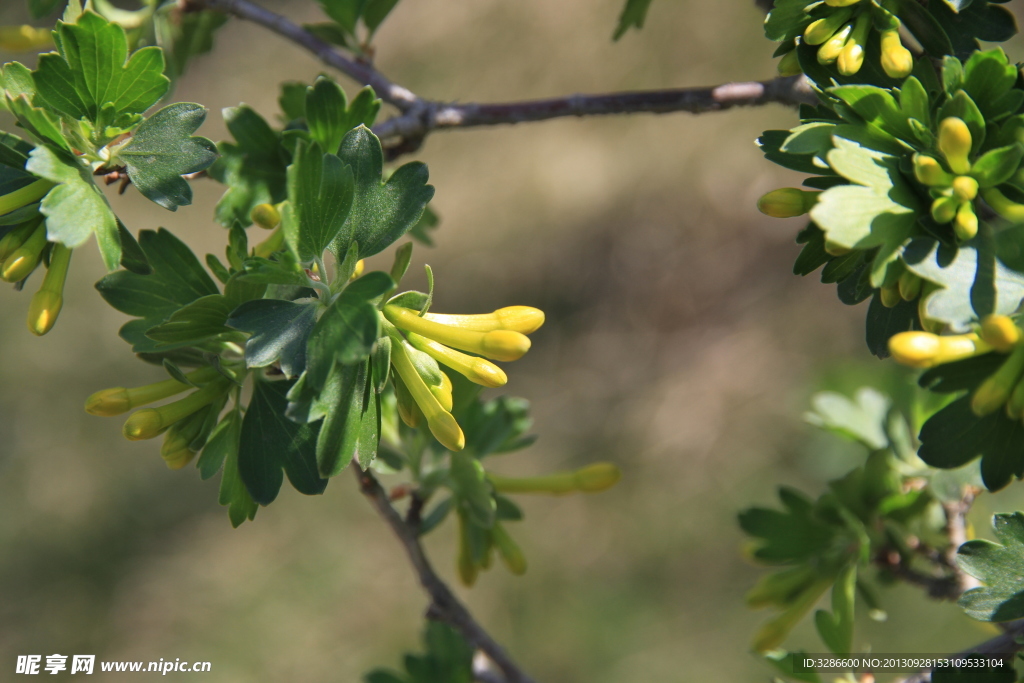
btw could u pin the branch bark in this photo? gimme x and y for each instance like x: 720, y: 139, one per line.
x: 405, y: 133
x: 444, y: 606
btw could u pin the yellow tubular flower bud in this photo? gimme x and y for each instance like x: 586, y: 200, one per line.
x: 995, y: 391
x: 522, y: 319
x: 929, y: 171
x: 944, y: 209
x: 475, y: 369
x: 829, y: 51
x: 789, y: 65
x: 1000, y: 332
x: 511, y: 554
x: 502, y: 345
x: 268, y: 246
x: 443, y: 392
x: 441, y: 423
x: 10, y: 242
x: 25, y: 258
x: 467, y: 567
x: 407, y: 408
x: 24, y: 38
x: 890, y: 296
x: 150, y: 422
x: 1001, y: 204
x: 851, y: 57
x: 841, y: 3
x: 1015, y: 405
x: 787, y: 202
x: 909, y: 286
x: 111, y: 402
x: 955, y: 144
x: 266, y: 216
x: 965, y: 188
x: 24, y: 196
x: 593, y: 478
x: 360, y: 267
x: 47, y: 302
x: 965, y: 225
x: 897, y: 61
x: 817, y: 32
x: 178, y: 459
x: 916, y: 349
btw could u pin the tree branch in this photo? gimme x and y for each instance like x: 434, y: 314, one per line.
x: 362, y: 72
x: 419, y: 117
x: 429, y: 116
x: 444, y: 606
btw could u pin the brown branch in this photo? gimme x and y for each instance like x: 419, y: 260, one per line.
x: 325, y: 52
x: 405, y: 133
x: 444, y: 606
x: 956, y: 530
x: 429, y: 116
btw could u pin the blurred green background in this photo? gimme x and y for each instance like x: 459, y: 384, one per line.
x: 678, y: 345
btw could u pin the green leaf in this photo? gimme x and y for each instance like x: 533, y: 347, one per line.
x: 792, y: 535
x: 345, y: 334
x: 223, y: 440
x: 163, y: 149
x: 381, y: 212
x: 877, y: 107
x: 376, y: 12
x: 989, y: 79
x: 472, y: 490
x: 270, y: 442
x: 961, y: 375
x: 633, y: 14
x: 253, y: 167
x: 883, y: 322
x: 836, y: 628
x: 76, y: 208
x: 925, y: 28
x: 771, y: 143
x: 320, y: 191
x: 862, y: 419
x: 284, y: 269
x: 40, y: 8
x: 998, y: 565
x: 974, y: 283
x: 40, y: 123
x: 92, y: 77
x: 200, y: 321
x: 955, y: 435
x: 177, y: 279
x: 350, y: 426
x: 233, y: 493
x: 786, y: 20
x: 345, y: 12
x: 997, y: 165
x: 280, y: 330
x: 329, y: 116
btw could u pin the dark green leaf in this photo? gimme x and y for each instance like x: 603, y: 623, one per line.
x: 202, y: 320
x: 280, y: 330
x: 926, y: 29
x: 787, y: 536
x: 270, y: 442
x: 233, y: 492
x: 163, y: 149
x: 345, y: 334
x: 633, y: 14
x: 961, y: 375
x: 999, y: 566
x: 376, y: 12
x: 882, y: 323
x: 955, y: 435
x: 320, y: 190
x: 997, y: 165
x: 381, y: 212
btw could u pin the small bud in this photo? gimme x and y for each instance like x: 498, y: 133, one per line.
x: 817, y: 32
x: 829, y: 51
x: 360, y: 267
x: 144, y: 424
x: 890, y: 296
x: 501, y: 345
x: 10, y: 242
x: 851, y: 57
x: 841, y: 3
x: 43, y: 311
x: 116, y: 401
x: 597, y: 477
x: 523, y: 319
x: 955, y: 144
x: 1000, y: 332
x: 897, y: 61
x: 944, y: 209
x: 510, y: 551
x: 929, y: 171
x: 467, y: 567
x: 965, y: 188
x: 24, y: 196
x: 109, y: 402
x: 474, y: 369
x: 995, y: 391
x: 909, y: 286
x: 787, y: 202
x: 965, y: 225
x: 178, y: 459
x: 504, y: 345
x: 266, y: 216
x: 20, y: 264
x: 789, y: 65
x: 447, y: 431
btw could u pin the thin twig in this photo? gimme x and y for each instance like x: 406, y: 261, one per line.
x: 956, y: 530
x: 325, y: 52
x: 419, y: 116
x: 444, y: 606
x: 420, y: 120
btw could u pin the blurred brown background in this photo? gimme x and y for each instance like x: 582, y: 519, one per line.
x: 678, y: 345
